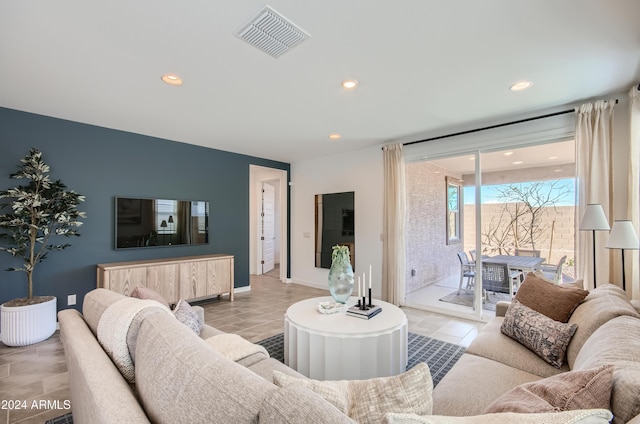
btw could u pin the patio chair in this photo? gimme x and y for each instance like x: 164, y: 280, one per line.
x: 528, y: 252
x: 499, y: 278
x: 554, y: 272
x: 467, y: 270
x: 472, y: 253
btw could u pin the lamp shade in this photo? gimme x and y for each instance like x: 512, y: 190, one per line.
x: 594, y: 218
x: 623, y: 236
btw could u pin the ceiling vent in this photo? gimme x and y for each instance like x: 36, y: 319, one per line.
x: 271, y: 32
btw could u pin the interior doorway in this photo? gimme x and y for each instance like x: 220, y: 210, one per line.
x: 268, y: 222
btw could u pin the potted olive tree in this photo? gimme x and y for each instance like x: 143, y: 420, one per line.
x: 33, y: 215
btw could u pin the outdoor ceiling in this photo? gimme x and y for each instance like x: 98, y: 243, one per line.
x: 562, y: 153
x: 423, y: 67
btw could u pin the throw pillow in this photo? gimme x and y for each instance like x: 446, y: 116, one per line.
x: 367, y: 401
x: 186, y: 315
x: 544, y: 336
x: 149, y: 294
x: 590, y: 416
x: 585, y: 389
x: 555, y: 301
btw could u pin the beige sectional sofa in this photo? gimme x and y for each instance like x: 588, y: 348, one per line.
x: 180, y: 377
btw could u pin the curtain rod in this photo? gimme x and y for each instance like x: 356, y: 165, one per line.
x: 490, y: 127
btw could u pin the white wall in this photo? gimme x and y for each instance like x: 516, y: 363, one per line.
x: 360, y: 172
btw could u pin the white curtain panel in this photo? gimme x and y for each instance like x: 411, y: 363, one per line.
x: 393, y: 244
x: 633, y: 208
x: 594, y: 126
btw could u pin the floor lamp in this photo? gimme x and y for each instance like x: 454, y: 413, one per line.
x: 623, y: 236
x: 594, y: 220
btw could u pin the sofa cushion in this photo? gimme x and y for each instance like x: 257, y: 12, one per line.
x: 295, y: 405
x: 367, y: 401
x: 541, y: 334
x: 555, y: 301
x: 587, y: 389
x: 617, y: 342
x: 593, y: 416
x: 473, y: 383
x: 180, y: 378
x: 266, y: 367
x: 238, y: 349
x: 601, y: 305
x: 492, y: 344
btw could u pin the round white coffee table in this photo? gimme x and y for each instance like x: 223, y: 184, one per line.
x: 341, y: 347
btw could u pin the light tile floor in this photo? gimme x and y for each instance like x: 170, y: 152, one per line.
x: 39, y: 372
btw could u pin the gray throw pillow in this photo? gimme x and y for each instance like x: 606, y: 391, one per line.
x: 186, y: 315
x: 547, y: 338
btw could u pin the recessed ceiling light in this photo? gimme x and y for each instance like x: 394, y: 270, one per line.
x: 334, y: 136
x: 472, y: 158
x: 520, y: 85
x: 553, y: 157
x: 349, y: 84
x: 557, y: 170
x: 518, y: 162
x: 508, y: 153
x: 172, y: 79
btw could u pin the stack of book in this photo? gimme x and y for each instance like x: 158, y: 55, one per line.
x: 368, y: 313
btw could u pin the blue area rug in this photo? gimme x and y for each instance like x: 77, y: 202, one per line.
x: 440, y: 356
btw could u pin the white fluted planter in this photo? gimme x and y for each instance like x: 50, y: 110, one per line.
x: 26, y: 325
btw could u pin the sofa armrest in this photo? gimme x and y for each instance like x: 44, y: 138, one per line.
x: 636, y: 305
x: 99, y: 393
x: 501, y: 308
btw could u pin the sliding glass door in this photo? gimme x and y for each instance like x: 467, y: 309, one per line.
x: 478, y: 213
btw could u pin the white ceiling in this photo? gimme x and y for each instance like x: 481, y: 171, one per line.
x: 423, y: 65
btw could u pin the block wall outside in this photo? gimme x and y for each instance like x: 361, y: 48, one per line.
x: 563, y: 232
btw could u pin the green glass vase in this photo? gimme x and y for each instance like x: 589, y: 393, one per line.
x: 340, y: 274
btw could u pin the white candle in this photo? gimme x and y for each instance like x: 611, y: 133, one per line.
x: 369, y: 276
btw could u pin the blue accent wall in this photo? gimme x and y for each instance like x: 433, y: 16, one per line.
x: 103, y: 163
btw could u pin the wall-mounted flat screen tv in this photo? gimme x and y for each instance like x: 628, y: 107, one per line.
x: 160, y: 222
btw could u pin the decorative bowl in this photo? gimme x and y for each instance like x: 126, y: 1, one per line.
x: 329, y: 307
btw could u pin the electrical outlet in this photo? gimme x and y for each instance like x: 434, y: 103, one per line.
x: 414, y: 272
x: 306, y: 235
x: 71, y: 300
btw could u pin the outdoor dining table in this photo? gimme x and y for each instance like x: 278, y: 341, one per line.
x: 522, y: 263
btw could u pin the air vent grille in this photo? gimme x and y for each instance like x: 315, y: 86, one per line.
x: 272, y: 33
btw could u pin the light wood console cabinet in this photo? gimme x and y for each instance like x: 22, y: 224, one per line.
x: 188, y: 278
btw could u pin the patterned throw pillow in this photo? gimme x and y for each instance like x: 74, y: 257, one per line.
x: 547, y: 338
x: 583, y: 389
x: 186, y: 315
x: 150, y: 294
x: 368, y: 401
x: 555, y: 301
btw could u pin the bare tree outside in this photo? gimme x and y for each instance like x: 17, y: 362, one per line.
x: 520, y: 223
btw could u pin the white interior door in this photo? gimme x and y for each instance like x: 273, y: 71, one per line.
x: 268, y: 227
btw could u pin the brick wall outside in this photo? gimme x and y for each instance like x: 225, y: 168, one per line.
x: 426, y: 249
